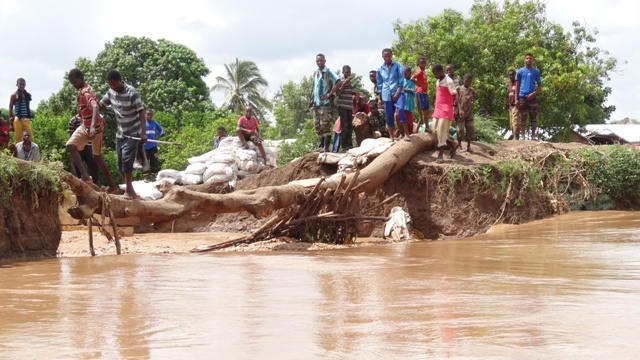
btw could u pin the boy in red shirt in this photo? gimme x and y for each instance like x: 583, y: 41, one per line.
x: 247, y: 130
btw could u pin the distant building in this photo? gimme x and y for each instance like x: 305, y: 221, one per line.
x: 612, y: 133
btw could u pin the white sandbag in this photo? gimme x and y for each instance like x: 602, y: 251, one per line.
x: 379, y: 149
x: 230, y: 141
x: 196, y: 169
x: 252, y: 146
x: 244, y: 154
x: 272, y: 161
x: 269, y: 151
x: 222, y: 158
x: 219, y: 178
x: 248, y: 165
x: 330, y: 157
x: 383, y: 140
x: 353, y: 161
x: 144, y: 190
x: 223, y: 150
x: 201, y: 158
x: 160, y: 182
x: 169, y: 174
x: 227, y: 170
x: 369, y: 143
x: 358, y: 151
x: 191, y: 179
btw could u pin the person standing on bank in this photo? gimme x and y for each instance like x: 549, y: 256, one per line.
x: 345, y: 109
x: 154, y: 131
x: 89, y: 132
x: 125, y: 101
x: 390, y: 82
x: 20, y: 111
x: 325, y: 84
x: 528, y: 83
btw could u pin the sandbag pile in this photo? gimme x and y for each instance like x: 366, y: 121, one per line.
x: 228, y: 163
x: 354, y: 157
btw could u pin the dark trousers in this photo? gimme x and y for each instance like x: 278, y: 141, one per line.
x: 152, y: 158
x: 346, y: 127
x: 92, y: 166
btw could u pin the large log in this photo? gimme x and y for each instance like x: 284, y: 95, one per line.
x: 260, y: 202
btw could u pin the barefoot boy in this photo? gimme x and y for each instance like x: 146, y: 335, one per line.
x: 464, y: 118
x: 130, y: 117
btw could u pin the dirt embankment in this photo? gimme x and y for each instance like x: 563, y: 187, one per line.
x: 29, y: 223
x: 440, y: 205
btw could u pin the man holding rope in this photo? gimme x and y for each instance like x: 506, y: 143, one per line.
x: 125, y: 101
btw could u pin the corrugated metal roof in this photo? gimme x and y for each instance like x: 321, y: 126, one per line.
x: 629, y: 132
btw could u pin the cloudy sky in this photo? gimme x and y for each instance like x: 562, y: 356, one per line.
x: 41, y: 39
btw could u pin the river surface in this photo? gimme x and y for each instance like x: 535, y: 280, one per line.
x: 561, y: 288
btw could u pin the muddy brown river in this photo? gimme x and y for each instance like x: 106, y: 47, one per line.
x: 561, y: 288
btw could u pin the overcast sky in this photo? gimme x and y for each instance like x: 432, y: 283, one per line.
x: 41, y: 39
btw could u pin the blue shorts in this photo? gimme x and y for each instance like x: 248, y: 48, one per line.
x: 423, y: 100
x: 390, y: 109
x: 126, y: 151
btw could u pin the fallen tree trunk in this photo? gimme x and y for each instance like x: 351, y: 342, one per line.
x: 260, y: 202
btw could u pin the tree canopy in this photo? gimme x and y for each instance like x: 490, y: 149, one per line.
x: 495, y: 37
x: 243, y: 86
x: 169, y: 76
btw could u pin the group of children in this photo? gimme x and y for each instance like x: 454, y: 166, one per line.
x: 397, y: 88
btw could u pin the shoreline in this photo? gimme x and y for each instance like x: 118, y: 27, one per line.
x: 75, y: 243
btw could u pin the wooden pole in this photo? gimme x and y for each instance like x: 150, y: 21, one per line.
x: 90, y: 228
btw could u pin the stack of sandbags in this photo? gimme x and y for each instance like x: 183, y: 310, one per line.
x: 221, y: 167
x: 248, y: 164
x: 192, y: 175
x: 227, y: 163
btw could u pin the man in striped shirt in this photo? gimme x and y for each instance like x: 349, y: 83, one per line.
x: 125, y: 101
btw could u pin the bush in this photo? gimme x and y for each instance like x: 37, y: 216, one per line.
x: 487, y: 130
x: 615, y: 170
x: 304, y: 144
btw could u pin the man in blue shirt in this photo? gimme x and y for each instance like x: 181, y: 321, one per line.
x: 154, y: 130
x: 325, y: 84
x: 390, y: 90
x: 527, y: 87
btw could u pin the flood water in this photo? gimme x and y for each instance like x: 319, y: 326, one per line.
x: 561, y: 288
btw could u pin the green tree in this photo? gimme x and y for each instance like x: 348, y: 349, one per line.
x: 243, y: 86
x: 290, y: 108
x: 169, y: 76
x: 494, y: 38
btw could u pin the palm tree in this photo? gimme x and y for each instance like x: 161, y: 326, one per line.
x: 243, y: 86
